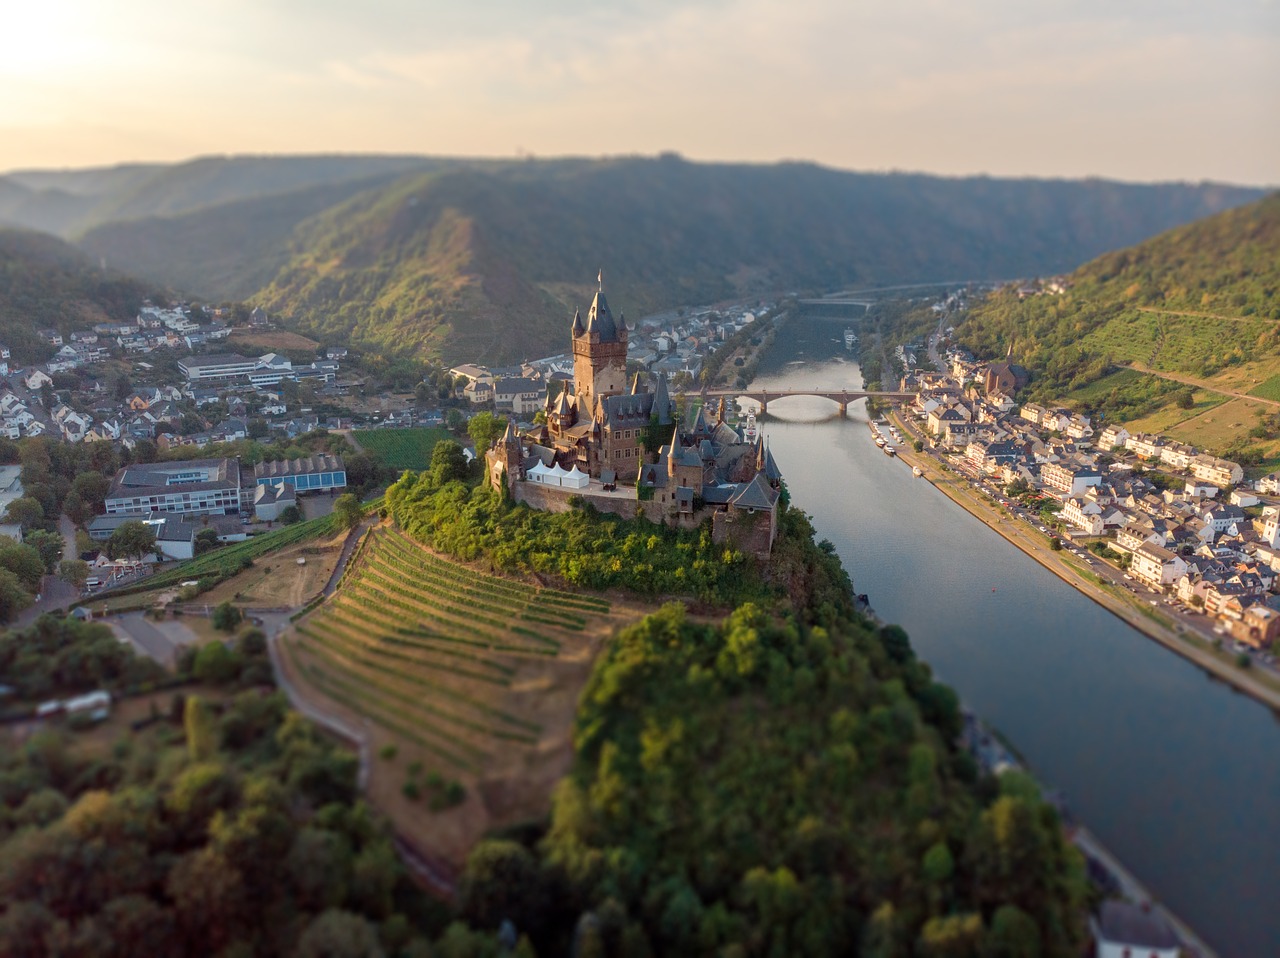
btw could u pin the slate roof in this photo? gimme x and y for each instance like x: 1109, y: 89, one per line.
x: 625, y: 409
x: 755, y: 494
x: 1123, y: 923
x: 600, y: 320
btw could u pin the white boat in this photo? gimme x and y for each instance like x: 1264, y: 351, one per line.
x: 880, y: 441
x: 917, y: 472
x: 849, y: 338
x: 750, y: 432
x: 890, y: 451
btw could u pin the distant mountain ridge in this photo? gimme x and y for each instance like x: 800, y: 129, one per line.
x: 486, y: 260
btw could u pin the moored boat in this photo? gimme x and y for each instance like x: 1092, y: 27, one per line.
x: 917, y: 472
x: 889, y: 450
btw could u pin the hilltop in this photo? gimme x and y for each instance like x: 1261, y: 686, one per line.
x: 485, y: 260
x: 45, y: 282
x: 1196, y: 304
x: 70, y: 202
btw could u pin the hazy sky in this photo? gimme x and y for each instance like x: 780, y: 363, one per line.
x: 1132, y: 89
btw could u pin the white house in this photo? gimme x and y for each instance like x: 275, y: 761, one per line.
x: 1156, y: 566
x: 37, y: 378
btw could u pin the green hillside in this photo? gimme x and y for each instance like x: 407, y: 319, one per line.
x: 1198, y: 300
x: 227, y: 252
x: 46, y: 283
x: 488, y: 263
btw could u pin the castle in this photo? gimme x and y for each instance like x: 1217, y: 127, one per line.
x: 600, y: 434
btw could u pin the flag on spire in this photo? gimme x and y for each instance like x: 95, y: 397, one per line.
x: 600, y: 280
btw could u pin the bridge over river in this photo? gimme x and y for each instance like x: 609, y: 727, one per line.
x: 841, y: 397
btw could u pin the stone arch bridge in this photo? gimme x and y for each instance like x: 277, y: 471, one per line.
x: 841, y: 397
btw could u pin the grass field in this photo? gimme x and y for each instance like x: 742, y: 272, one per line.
x: 402, y: 448
x: 1270, y: 389
x: 1100, y: 388
x: 470, y: 676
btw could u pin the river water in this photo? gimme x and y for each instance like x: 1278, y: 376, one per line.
x: 1177, y: 774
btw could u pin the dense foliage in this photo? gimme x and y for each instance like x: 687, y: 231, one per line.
x: 46, y: 283
x: 582, y: 547
x: 767, y: 787
x: 69, y: 656
x: 1193, y: 300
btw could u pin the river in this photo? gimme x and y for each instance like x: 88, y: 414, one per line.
x: 1176, y: 773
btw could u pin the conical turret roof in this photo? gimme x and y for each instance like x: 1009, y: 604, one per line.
x: 577, y: 329
x: 600, y: 320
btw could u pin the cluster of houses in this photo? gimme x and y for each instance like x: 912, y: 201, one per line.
x: 673, y: 347
x: 1189, y: 537
x: 250, y: 386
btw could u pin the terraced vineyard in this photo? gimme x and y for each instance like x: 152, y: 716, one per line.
x: 476, y: 674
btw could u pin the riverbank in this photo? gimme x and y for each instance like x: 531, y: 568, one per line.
x: 1068, y: 568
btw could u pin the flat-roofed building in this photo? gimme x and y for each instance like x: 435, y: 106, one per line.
x: 199, y: 369
x: 191, y: 486
x: 319, y: 473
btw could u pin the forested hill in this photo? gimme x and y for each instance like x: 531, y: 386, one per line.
x: 69, y: 202
x: 44, y: 282
x: 1196, y: 300
x: 486, y: 260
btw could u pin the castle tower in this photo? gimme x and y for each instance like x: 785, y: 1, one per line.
x: 599, y: 354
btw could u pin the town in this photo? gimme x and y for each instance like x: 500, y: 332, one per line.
x: 216, y: 445
x: 1158, y: 517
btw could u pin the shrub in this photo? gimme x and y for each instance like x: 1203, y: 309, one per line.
x: 388, y: 752
x: 226, y: 617
x: 215, y: 664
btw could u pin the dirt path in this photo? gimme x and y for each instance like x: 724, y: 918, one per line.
x: 1198, y: 383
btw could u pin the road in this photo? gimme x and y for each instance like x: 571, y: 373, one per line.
x: 55, y: 594
x: 159, y: 641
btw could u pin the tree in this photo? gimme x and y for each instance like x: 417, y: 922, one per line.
x: 13, y: 597
x: 447, y: 463
x: 484, y: 428
x: 500, y: 881
x: 206, y: 540
x: 74, y: 572
x: 92, y: 488
x: 347, y: 510
x: 24, y: 562
x: 339, y: 934
x: 26, y: 512
x: 197, y: 722
x: 225, y: 618
x: 49, y: 547
x: 290, y: 515
x: 454, y: 420
x: 1186, y: 399
x: 131, y: 540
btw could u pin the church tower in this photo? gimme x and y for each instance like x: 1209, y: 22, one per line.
x: 599, y: 354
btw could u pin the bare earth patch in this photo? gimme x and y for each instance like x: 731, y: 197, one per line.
x: 277, y: 580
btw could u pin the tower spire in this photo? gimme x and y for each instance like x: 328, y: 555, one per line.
x: 600, y: 280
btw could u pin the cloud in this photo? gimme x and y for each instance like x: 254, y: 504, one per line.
x: 988, y: 85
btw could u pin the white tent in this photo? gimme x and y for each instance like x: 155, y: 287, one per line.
x: 539, y: 473
x: 557, y: 475
x: 576, y: 479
